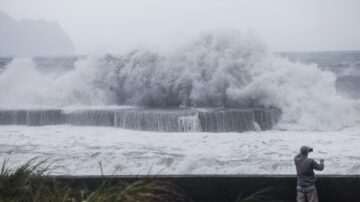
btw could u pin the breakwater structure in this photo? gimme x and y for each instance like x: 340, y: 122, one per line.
x: 149, y: 119
x: 226, y: 188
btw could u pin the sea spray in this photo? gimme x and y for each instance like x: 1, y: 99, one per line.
x: 217, y: 69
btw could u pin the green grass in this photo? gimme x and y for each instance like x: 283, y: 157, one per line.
x: 31, y: 183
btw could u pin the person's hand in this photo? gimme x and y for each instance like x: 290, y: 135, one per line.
x: 322, y: 161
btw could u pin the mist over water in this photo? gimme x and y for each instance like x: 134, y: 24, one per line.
x: 217, y: 69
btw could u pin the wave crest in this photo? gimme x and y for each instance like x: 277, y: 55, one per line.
x: 218, y: 69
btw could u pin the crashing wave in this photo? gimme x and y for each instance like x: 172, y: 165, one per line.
x: 218, y: 69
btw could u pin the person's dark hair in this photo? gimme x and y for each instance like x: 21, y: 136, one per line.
x: 304, y: 150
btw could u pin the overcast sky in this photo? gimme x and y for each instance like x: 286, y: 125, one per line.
x: 118, y: 25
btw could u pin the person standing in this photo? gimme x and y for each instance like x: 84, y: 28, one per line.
x: 306, y: 189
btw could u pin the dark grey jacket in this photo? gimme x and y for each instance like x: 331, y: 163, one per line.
x: 305, y: 170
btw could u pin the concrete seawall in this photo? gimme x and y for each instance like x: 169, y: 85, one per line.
x: 150, y: 119
x: 226, y: 188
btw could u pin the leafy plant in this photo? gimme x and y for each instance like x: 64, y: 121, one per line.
x: 30, y: 182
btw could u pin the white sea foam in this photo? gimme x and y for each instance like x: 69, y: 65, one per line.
x: 218, y: 69
x: 80, y: 149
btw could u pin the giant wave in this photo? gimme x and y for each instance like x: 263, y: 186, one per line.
x: 216, y: 69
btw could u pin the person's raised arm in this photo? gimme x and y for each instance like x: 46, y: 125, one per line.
x: 318, y: 166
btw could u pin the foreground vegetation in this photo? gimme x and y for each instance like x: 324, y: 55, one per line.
x: 30, y: 182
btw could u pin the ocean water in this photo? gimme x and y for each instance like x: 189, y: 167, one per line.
x: 222, y: 103
x: 312, y: 90
x: 345, y: 64
x: 78, y: 150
